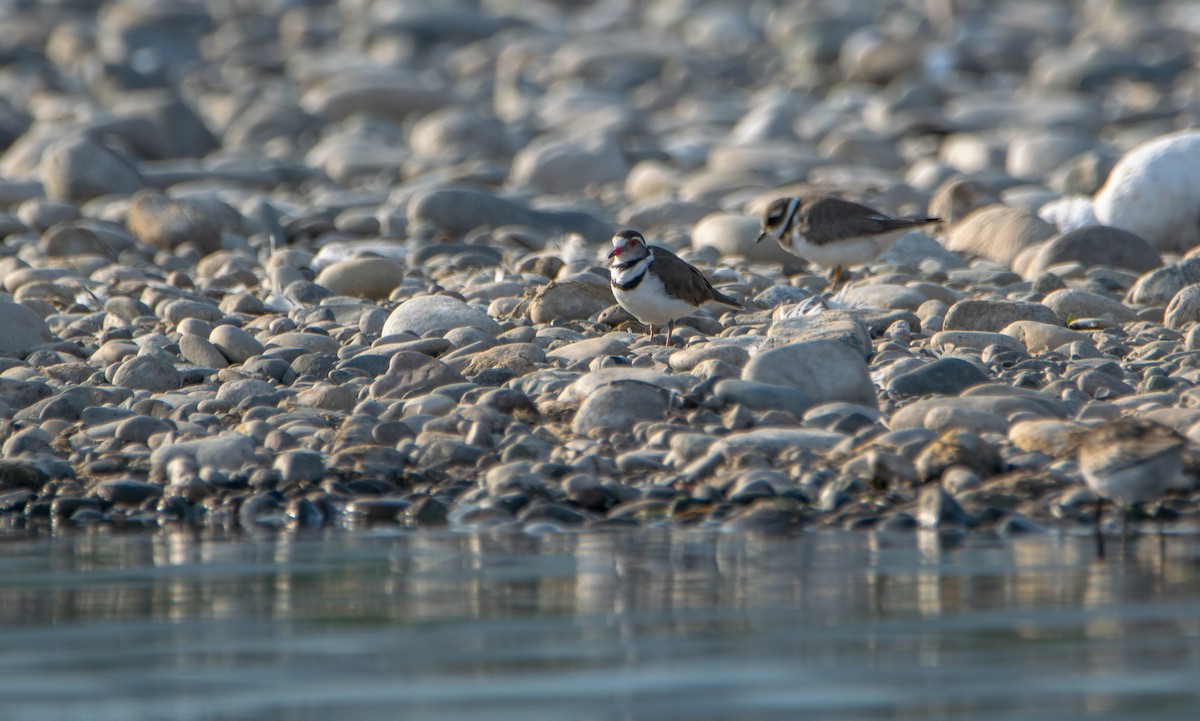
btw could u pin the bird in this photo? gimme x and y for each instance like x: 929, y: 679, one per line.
x: 833, y: 232
x: 1129, y: 461
x: 656, y: 286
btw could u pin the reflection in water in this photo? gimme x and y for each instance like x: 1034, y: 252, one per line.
x: 629, y: 625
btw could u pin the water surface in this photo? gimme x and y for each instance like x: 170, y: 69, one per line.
x: 622, y: 625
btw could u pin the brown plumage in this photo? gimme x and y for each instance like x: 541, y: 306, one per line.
x: 656, y: 286
x: 833, y: 232
x: 1129, y: 461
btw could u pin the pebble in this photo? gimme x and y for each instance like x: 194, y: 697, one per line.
x: 1041, y: 337
x: 235, y: 344
x: 826, y: 370
x: 147, y: 372
x: 1093, y: 245
x: 945, y: 376
x: 617, y: 406
x: 994, y: 315
x: 77, y: 169
x: 1070, y: 304
x: 427, y: 313
x: 373, y: 278
x: 21, y: 329
x: 199, y: 351
x: 763, y: 396
x: 411, y: 373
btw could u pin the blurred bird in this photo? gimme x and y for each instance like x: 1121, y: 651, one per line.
x: 832, y: 232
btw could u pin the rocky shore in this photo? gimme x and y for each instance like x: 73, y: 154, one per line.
x: 273, y: 264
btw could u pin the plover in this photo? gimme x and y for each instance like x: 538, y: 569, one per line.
x: 656, y: 286
x: 833, y: 232
x: 1130, y: 461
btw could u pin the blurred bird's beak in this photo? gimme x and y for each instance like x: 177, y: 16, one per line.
x: 762, y: 235
x: 613, y: 253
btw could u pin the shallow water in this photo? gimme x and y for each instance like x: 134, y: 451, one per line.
x: 618, y: 625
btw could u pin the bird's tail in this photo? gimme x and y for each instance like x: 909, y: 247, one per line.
x: 726, y: 300
x: 900, y: 223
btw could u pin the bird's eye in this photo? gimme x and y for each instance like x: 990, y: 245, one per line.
x: 774, y: 218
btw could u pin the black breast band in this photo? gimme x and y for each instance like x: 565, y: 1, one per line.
x: 631, y: 283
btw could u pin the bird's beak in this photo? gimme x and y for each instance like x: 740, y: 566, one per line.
x: 613, y: 253
x: 762, y: 235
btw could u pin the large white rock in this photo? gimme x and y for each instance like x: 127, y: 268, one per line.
x: 1154, y: 191
x: 432, y: 312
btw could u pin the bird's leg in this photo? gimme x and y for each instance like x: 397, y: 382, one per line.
x: 651, y: 332
x: 1099, y: 532
x: 670, y: 330
x: 836, y: 278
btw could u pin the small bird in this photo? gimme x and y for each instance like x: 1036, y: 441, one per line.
x: 833, y: 232
x: 1130, y: 461
x: 656, y: 286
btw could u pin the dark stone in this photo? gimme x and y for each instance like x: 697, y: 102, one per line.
x: 945, y: 376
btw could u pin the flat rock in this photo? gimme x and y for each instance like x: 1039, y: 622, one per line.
x: 147, y: 372
x: 689, y: 358
x: 1094, y: 245
x: 841, y: 326
x: 589, y: 383
x: 1070, y: 304
x: 237, y: 391
x: 390, y: 94
x: 229, y: 452
x: 199, y: 351
x: 411, y: 374
x: 763, y: 396
x: 76, y: 169
x: 21, y: 329
x: 373, y: 278
x: 236, y: 344
x: 564, y: 164
x: 886, y: 296
x: 773, y: 441
x: 307, y: 342
x: 973, y: 339
x: 944, y: 376
x: 994, y: 315
x: 919, y: 413
x: 437, y: 312
x: 300, y: 466
x: 589, y: 348
x: 1041, y: 337
x: 518, y: 358
x: 617, y: 406
x: 827, y: 370
x: 327, y: 397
